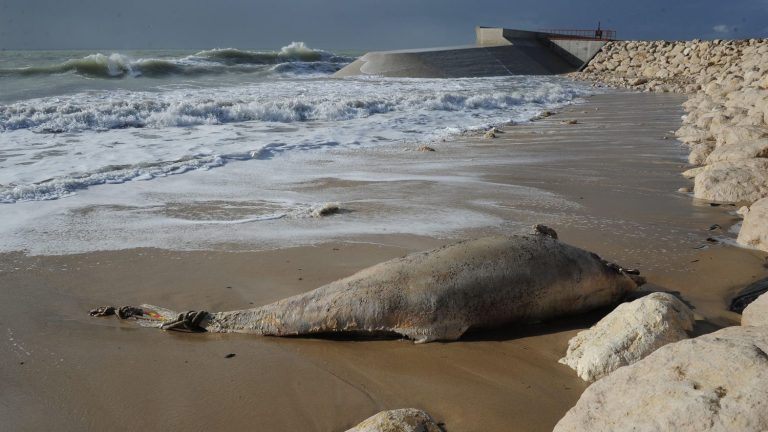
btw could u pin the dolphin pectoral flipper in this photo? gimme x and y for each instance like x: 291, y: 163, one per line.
x: 443, y: 332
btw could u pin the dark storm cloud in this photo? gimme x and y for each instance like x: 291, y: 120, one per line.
x: 353, y: 24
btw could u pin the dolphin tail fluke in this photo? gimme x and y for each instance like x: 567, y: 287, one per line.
x: 155, y: 316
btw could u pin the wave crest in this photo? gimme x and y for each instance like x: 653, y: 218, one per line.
x: 295, y: 51
x: 138, y: 110
x: 214, y: 61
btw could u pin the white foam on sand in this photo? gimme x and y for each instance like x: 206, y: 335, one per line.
x: 238, y: 207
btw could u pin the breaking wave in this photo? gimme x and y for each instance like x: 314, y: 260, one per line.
x: 215, y: 61
x: 296, y: 51
x: 57, y: 115
x: 96, y: 140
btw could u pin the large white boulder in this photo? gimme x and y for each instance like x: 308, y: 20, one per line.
x: 716, y: 382
x: 737, y: 134
x: 744, y: 180
x: 399, y: 420
x: 693, y: 172
x: 700, y: 152
x: 756, y: 313
x: 754, y: 229
x: 746, y: 98
x: 739, y: 151
x: 763, y: 83
x: 628, y: 334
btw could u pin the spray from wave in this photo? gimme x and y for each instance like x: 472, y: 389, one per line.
x: 295, y: 58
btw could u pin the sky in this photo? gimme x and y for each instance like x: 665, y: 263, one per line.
x: 354, y: 24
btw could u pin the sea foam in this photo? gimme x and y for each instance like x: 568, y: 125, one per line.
x: 120, y: 110
x: 52, y: 147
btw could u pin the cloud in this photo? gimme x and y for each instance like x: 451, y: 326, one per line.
x: 722, y: 28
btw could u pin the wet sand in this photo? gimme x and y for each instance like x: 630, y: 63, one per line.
x: 606, y: 184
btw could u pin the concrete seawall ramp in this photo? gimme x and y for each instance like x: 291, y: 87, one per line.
x: 508, y: 53
x: 530, y: 58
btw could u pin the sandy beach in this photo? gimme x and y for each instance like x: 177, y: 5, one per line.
x: 607, y: 183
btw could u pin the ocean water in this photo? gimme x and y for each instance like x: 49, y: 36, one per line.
x: 82, y: 128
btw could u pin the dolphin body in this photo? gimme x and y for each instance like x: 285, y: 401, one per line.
x: 442, y: 293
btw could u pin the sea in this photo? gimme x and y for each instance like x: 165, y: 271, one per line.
x: 117, y: 149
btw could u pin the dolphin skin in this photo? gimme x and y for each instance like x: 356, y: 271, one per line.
x: 442, y: 293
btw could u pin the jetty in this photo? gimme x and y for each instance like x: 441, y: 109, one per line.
x: 496, y: 52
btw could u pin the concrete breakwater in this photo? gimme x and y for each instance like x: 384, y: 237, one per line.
x: 726, y: 125
x: 496, y: 52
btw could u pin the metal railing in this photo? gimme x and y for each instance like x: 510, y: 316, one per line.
x: 598, y: 34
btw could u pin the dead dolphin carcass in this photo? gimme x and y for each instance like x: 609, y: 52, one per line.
x: 440, y: 294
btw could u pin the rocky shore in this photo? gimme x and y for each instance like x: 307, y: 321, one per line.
x: 726, y: 125
x: 648, y: 373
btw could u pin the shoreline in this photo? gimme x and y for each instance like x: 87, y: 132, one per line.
x: 605, y: 184
x: 726, y: 120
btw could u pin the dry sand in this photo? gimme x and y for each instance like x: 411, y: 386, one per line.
x: 63, y: 370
